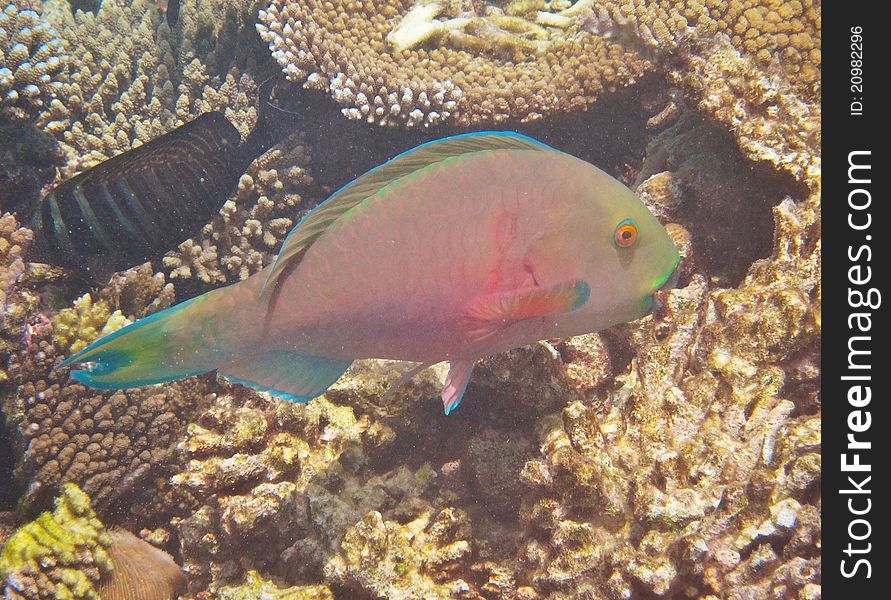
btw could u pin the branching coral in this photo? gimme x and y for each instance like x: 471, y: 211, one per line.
x: 136, y: 79
x: 33, y: 61
x: 246, y: 235
x: 14, y: 241
x: 509, y: 72
x: 75, y: 328
x: 106, y: 442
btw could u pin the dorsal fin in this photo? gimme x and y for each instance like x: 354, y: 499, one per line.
x: 317, y: 221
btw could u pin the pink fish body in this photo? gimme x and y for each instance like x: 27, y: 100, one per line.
x: 459, y: 249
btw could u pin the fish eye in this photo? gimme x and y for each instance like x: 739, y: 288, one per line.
x: 626, y: 233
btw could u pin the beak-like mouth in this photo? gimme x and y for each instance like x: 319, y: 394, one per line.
x: 670, y: 283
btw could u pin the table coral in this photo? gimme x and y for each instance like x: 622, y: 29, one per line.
x: 493, y: 68
x: 33, y: 61
x: 61, y: 554
x: 774, y: 33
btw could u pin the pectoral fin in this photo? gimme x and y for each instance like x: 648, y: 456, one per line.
x: 456, y: 383
x: 487, y: 314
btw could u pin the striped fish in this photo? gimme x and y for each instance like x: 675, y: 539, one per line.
x: 140, y: 204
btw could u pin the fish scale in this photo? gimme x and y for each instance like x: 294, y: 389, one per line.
x: 460, y: 248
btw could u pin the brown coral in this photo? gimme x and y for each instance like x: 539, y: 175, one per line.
x: 774, y: 33
x: 138, y: 79
x: 342, y: 47
x: 106, y: 442
x: 702, y: 473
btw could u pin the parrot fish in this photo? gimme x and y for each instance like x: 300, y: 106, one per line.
x: 460, y: 248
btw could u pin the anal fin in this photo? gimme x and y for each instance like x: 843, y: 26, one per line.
x: 296, y: 377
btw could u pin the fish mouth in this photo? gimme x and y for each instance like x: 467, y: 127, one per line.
x: 667, y: 284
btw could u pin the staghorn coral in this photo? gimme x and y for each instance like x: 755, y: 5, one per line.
x: 61, y: 554
x: 342, y: 48
x: 33, y: 61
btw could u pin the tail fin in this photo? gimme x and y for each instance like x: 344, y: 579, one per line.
x: 172, y: 344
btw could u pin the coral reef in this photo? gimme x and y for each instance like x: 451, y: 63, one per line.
x: 256, y: 586
x: 14, y: 241
x: 75, y: 328
x: 386, y: 559
x: 69, y: 554
x: 33, y: 61
x: 490, y: 68
x: 761, y: 109
x: 137, y: 79
x: 61, y: 554
x: 697, y: 473
x: 273, y: 486
x: 107, y: 442
x: 675, y: 456
x: 775, y: 34
x: 246, y: 235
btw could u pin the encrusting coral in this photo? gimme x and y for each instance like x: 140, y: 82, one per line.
x: 33, y: 61
x: 490, y: 69
x: 61, y: 554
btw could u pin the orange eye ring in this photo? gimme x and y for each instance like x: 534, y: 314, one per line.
x: 626, y: 233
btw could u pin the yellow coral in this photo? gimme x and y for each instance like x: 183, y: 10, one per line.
x: 76, y: 328
x: 60, y: 554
